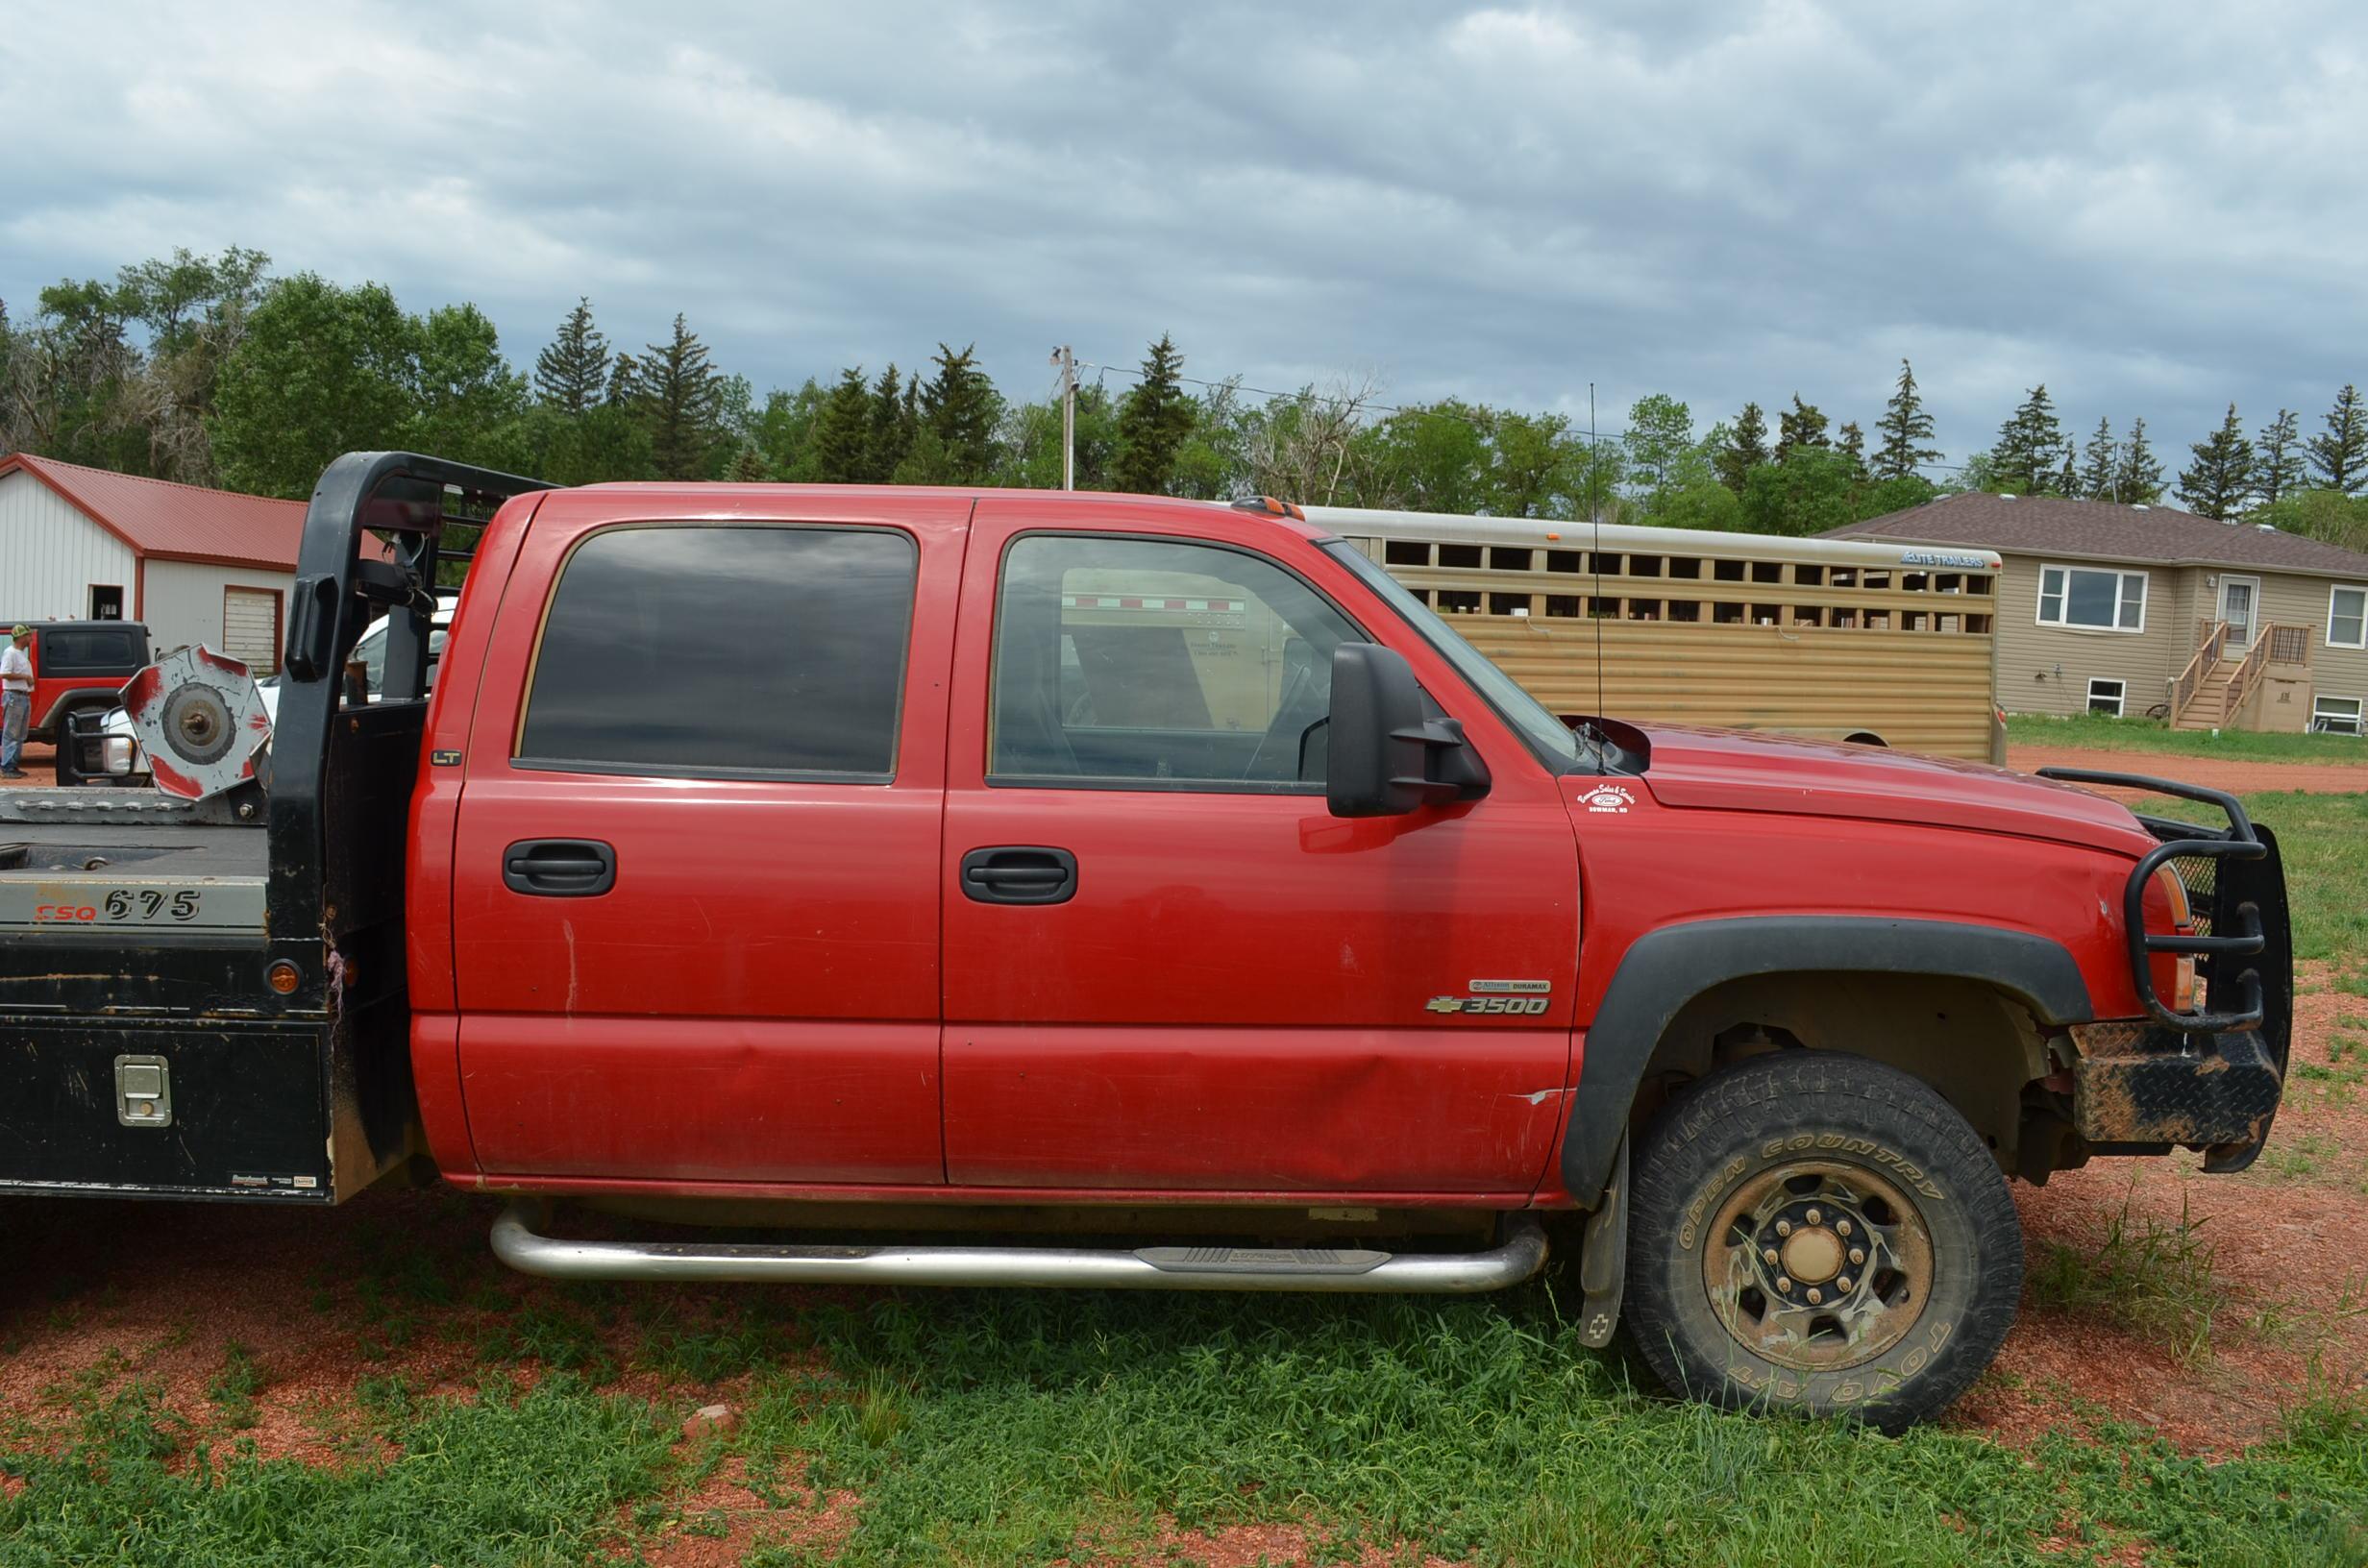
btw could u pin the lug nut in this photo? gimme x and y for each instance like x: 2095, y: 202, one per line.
x: 1857, y: 1255
x: 1770, y: 1256
x: 1842, y: 1283
x: 1783, y: 1282
x: 1814, y: 1296
x: 1842, y: 1226
x: 1813, y: 1217
x: 1784, y: 1227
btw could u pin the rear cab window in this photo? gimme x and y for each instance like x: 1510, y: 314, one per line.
x: 724, y: 651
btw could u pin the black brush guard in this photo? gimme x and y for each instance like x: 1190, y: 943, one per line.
x: 2210, y: 1077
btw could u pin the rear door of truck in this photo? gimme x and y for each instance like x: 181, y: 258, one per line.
x: 695, y: 859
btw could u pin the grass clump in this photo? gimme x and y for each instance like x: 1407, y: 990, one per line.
x: 233, y: 1388
x: 2156, y: 1280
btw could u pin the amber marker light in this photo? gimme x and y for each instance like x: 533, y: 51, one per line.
x: 283, y: 977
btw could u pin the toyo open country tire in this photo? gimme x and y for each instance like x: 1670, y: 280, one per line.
x: 1821, y: 1233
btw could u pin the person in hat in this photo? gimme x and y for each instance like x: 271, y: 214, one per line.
x: 16, y: 700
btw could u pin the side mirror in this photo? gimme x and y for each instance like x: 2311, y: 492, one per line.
x: 1391, y: 751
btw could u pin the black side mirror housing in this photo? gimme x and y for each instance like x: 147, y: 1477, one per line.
x: 1391, y: 751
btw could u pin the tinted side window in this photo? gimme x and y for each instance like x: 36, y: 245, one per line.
x: 102, y: 651
x: 1184, y: 665
x: 724, y: 650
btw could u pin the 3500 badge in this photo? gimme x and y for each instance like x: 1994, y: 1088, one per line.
x: 1524, y: 1006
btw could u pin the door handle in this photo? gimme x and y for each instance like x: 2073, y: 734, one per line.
x: 1020, y: 873
x: 559, y: 867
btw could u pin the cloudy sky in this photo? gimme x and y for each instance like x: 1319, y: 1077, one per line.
x: 2152, y: 208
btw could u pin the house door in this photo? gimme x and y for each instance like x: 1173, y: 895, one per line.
x: 2239, y: 605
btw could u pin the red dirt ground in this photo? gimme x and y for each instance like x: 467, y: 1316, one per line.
x: 2237, y: 775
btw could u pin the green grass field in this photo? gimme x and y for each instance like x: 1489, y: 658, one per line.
x: 1008, y: 1428
x: 1003, y: 1428
x: 2323, y: 839
x: 2097, y: 732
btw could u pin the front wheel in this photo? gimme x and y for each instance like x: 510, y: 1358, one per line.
x: 1821, y: 1233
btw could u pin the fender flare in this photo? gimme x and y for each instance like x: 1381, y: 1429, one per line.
x: 1666, y: 968
x: 76, y: 696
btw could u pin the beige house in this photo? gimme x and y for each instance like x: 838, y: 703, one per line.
x: 2139, y: 610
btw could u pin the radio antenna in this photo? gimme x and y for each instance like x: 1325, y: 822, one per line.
x: 1594, y: 559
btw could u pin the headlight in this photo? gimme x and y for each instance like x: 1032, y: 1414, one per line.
x: 2183, y: 920
x: 118, y: 756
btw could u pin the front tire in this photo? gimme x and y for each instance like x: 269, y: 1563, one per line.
x: 1820, y: 1233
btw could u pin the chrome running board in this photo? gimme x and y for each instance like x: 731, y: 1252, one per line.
x: 1340, y: 1270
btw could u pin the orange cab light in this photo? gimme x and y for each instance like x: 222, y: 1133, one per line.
x: 283, y: 977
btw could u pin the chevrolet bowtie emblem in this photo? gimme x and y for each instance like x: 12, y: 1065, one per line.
x: 1443, y: 1004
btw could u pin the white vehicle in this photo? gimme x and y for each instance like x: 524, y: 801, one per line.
x: 121, y: 761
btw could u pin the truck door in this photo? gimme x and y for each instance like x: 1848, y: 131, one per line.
x: 1167, y: 967
x: 695, y: 886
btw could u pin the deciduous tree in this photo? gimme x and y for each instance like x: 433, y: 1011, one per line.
x: 322, y: 370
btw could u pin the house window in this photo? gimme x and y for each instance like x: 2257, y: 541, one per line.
x: 2104, y: 696
x: 2093, y: 599
x: 2347, y: 617
x: 2335, y: 716
x: 106, y: 601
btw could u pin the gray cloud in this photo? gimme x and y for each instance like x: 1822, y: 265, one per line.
x: 2153, y: 209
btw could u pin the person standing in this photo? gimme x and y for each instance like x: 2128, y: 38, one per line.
x: 16, y: 700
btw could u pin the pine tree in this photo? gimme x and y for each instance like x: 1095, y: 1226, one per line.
x: 2220, y: 481
x: 1744, y: 450
x: 2067, y: 480
x: 1853, y: 445
x: 683, y: 402
x: 2278, y: 458
x: 2339, y: 458
x: 2096, y: 480
x: 1906, y: 428
x: 959, y: 407
x: 2024, y: 462
x: 1154, y: 420
x: 2137, y: 477
x: 625, y: 386
x: 1803, y: 427
x: 749, y: 467
x: 840, y: 450
x: 572, y: 372
x: 888, y: 435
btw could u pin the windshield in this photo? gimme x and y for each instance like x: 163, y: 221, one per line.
x: 1547, y: 736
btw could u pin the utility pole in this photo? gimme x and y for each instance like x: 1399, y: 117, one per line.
x: 1064, y: 358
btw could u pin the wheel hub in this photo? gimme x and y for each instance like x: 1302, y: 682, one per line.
x: 1818, y: 1265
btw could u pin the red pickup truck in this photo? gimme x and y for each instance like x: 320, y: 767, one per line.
x: 1120, y: 892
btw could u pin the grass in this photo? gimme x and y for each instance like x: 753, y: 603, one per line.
x: 2156, y: 1280
x: 1009, y: 1427
x: 2098, y: 732
x: 2323, y: 839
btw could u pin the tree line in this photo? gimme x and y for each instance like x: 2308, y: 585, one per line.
x: 211, y: 370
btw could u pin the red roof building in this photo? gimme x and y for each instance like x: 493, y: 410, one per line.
x: 196, y: 565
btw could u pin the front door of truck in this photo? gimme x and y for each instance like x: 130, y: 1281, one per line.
x: 1167, y: 967
x: 695, y: 890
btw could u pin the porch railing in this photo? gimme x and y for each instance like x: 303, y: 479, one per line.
x: 2208, y: 646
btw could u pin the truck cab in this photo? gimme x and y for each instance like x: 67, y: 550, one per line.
x: 878, y: 860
